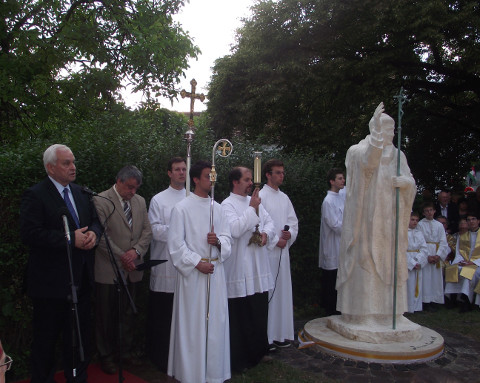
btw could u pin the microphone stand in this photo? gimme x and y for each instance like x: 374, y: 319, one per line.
x: 76, y: 333
x: 121, y: 284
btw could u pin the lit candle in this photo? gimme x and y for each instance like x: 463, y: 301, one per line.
x: 257, y: 168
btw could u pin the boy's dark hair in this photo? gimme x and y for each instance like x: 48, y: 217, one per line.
x: 268, y: 166
x: 174, y: 160
x: 197, y: 168
x: 332, y: 174
x: 428, y: 204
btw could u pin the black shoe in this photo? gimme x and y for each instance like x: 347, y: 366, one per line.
x: 281, y: 344
x: 272, y: 348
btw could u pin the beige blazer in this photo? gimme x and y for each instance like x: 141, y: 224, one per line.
x: 121, y: 236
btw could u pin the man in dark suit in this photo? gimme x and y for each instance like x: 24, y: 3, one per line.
x: 447, y: 209
x: 129, y: 233
x: 48, y: 275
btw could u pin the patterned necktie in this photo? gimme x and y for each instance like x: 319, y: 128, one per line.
x: 66, y: 198
x: 128, y: 212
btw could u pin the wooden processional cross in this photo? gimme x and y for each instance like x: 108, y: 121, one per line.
x: 193, y: 96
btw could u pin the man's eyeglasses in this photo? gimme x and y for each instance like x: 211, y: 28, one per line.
x: 277, y: 172
x: 8, y: 362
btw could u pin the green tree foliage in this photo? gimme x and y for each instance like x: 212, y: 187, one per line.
x: 309, y: 74
x: 64, y: 59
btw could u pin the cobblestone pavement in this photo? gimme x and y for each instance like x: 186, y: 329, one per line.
x: 460, y: 362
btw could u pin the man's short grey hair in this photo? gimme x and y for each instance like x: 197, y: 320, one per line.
x: 128, y: 172
x: 50, y: 155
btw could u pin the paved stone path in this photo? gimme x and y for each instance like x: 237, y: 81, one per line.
x: 459, y: 363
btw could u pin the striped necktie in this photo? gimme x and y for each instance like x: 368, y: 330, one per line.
x: 128, y: 212
x: 70, y: 207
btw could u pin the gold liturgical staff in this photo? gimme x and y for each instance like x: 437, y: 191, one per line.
x: 257, y: 180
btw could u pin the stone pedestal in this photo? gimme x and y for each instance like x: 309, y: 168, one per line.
x: 425, y: 344
x: 375, y: 329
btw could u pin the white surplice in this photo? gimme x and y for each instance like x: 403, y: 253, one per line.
x: 434, y: 234
x: 162, y: 277
x: 331, y: 230
x: 187, y: 244
x: 247, y: 270
x: 417, y: 252
x: 280, y: 308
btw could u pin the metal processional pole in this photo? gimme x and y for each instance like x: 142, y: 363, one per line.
x: 401, y: 98
x: 190, y: 134
x: 223, y: 151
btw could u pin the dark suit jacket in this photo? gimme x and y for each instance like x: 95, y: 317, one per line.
x: 452, y: 215
x: 41, y: 228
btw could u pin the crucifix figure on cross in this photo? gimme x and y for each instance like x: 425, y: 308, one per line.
x: 192, y: 95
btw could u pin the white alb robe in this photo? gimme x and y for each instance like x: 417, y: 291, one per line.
x: 162, y: 277
x: 331, y: 230
x: 280, y: 308
x: 247, y: 270
x: 434, y: 234
x: 464, y: 285
x: 187, y: 244
x: 417, y: 252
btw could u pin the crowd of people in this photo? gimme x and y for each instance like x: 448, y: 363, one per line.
x: 442, y: 257
x: 220, y: 289
x: 220, y: 296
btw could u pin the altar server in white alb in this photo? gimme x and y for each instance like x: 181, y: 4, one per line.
x: 417, y: 252
x: 162, y: 277
x: 247, y: 271
x: 438, y: 249
x: 468, y: 258
x: 330, y: 233
x: 191, y: 245
x: 280, y: 209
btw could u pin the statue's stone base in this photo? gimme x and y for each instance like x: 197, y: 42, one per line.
x: 376, y: 329
x: 429, y: 346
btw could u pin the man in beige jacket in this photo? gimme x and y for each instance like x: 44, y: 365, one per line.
x: 124, y: 215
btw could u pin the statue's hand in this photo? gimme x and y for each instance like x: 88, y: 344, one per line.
x: 401, y: 181
x: 376, y: 116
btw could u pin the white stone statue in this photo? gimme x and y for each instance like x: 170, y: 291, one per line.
x: 367, y: 247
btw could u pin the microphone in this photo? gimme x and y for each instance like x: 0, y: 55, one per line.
x: 88, y: 191
x: 63, y: 212
x: 286, y: 228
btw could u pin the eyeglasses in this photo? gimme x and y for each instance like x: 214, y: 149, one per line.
x: 277, y: 172
x: 8, y: 362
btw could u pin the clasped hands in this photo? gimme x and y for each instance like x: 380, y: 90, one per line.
x: 128, y: 259
x: 85, y: 239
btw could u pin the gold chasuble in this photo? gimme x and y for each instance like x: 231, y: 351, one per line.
x: 464, y: 247
x: 464, y: 250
